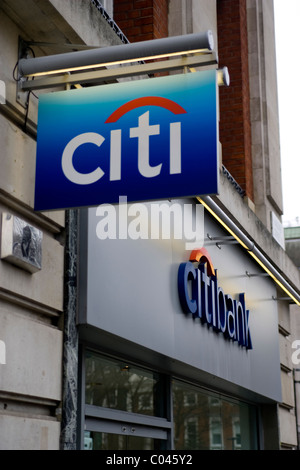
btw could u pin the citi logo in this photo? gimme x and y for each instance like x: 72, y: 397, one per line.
x: 149, y: 140
x: 200, y: 295
x: 144, y: 132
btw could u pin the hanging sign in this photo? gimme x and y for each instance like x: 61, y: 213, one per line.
x: 143, y: 139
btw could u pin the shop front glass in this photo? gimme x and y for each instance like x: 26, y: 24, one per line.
x: 119, y: 385
x: 129, y: 408
x: 204, y: 420
x: 107, y: 441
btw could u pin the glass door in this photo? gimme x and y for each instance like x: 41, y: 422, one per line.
x: 125, y: 406
x: 128, y: 407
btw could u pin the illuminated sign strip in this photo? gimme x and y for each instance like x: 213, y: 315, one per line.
x: 224, y: 220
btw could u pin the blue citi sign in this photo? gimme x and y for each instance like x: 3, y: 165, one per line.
x: 145, y: 139
x: 201, y: 296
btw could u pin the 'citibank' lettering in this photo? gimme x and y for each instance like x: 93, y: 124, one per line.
x: 201, y: 296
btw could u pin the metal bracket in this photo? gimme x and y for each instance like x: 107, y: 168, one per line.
x: 288, y: 299
x: 107, y: 74
x: 226, y: 240
x: 2, y: 92
x: 21, y: 94
x: 257, y: 274
x: 24, y: 47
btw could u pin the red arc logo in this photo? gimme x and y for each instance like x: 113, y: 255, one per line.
x: 202, y: 256
x: 145, y: 101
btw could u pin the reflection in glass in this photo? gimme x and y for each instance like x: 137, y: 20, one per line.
x: 205, y: 421
x: 106, y: 441
x: 118, y: 385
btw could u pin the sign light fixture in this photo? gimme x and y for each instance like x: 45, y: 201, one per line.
x: 199, y: 43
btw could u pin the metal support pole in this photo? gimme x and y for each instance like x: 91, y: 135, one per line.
x: 69, y: 423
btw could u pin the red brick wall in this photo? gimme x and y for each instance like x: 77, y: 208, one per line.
x: 235, y: 125
x: 160, y: 11
x: 141, y: 20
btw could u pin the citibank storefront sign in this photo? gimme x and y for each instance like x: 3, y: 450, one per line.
x: 144, y: 139
x: 206, y: 300
x: 133, y: 293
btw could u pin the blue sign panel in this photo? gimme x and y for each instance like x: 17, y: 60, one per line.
x: 143, y: 139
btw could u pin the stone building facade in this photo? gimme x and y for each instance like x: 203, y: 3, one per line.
x: 39, y: 339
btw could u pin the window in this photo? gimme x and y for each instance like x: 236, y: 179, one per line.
x: 190, y: 399
x: 204, y: 420
x: 115, y: 384
x: 190, y: 433
x: 128, y: 407
x: 215, y: 434
x: 109, y: 441
x: 236, y: 433
x: 124, y: 406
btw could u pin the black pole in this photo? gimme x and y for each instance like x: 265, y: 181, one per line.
x: 69, y: 423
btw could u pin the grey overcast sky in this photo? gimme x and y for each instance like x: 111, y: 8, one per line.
x: 287, y: 30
